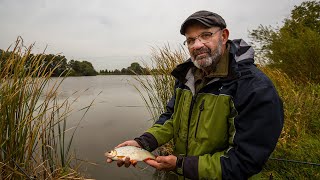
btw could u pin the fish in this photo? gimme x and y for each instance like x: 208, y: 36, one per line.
x: 134, y: 153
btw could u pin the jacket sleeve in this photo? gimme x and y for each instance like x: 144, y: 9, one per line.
x: 258, y: 124
x: 162, y: 131
x: 258, y: 127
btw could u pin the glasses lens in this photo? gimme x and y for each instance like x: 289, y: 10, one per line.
x: 189, y: 42
x: 205, y: 37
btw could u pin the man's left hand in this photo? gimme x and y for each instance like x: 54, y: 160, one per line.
x: 165, y: 163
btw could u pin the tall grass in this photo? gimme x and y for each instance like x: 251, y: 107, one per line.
x: 299, y: 138
x: 159, y: 85
x: 32, y: 120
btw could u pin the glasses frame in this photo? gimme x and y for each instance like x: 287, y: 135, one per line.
x: 199, y: 38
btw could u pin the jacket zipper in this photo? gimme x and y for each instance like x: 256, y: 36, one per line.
x: 189, y: 119
x: 180, y: 121
x: 201, y: 108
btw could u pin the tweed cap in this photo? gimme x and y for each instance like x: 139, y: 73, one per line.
x: 207, y: 18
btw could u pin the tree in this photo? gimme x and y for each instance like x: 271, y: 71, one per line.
x: 295, y: 47
x: 83, y: 68
x: 124, y: 71
x: 135, y: 68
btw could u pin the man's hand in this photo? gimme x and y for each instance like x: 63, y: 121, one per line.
x: 166, y: 163
x: 129, y: 143
x: 126, y: 162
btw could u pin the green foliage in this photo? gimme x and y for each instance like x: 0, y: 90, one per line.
x: 295, y: 47
x: 83, y: 68
x: 57, y: 63
x: 133, y: 69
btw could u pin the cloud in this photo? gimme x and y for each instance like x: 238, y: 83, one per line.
x: 100, y: 28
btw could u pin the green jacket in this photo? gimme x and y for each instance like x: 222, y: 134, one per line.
x: 229, y: 128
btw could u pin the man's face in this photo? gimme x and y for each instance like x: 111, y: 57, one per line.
x: 206, y: 45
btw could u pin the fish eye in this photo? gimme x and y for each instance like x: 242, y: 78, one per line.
x: 109, y: 152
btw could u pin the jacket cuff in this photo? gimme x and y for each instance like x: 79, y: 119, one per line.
x: 147, y: 141
x: 190, y: 167
x: 179, y: 165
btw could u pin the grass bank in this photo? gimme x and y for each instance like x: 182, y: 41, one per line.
x: 299, y: 139
x: 33, y: 122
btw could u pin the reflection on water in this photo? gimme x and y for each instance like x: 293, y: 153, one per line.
x: 118, y: 114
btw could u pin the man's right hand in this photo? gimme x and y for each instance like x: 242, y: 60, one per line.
x: 126, y: 162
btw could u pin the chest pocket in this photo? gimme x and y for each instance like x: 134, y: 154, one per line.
x: 210, y: 119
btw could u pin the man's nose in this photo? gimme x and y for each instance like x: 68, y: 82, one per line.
x: 197, y: 44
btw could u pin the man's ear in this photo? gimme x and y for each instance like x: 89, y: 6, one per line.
x: 225, y: 35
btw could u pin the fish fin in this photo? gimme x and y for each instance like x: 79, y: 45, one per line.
x: 120, y: 157
x: 148, y: 159
x: 134, y: 162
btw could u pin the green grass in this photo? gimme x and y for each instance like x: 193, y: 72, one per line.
x: 33, y: 121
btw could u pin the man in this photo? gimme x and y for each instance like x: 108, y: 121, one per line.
x: 225, y: 117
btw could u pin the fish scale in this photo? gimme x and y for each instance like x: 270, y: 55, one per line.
x: 134, y: 153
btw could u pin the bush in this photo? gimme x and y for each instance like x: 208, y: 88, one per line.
x: 295, y: 47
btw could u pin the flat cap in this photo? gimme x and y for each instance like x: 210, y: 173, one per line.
x: 206, y: 18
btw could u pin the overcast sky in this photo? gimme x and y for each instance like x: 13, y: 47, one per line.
x: 114, y: 33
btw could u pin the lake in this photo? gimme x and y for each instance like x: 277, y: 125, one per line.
x: 118, y: 114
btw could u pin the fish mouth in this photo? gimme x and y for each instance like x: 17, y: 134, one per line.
x: 111, y: 154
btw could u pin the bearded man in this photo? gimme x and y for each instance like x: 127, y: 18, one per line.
x: 225, y: 117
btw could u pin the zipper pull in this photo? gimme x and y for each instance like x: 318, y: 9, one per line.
x: 202, y: 105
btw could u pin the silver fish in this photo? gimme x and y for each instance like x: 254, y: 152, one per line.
x: 134, y: 153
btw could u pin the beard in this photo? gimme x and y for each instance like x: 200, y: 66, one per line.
x: 203, y: 58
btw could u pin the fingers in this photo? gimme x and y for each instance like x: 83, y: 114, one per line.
x: 129, y: 143
x: 126, y: 162
x: 153, y: 163
x: 120, y: 163
x: 122, y: 144
x: 161, y: 159
x: 163, y: 162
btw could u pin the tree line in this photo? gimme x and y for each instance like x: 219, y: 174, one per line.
x: 133, y: 69
x: 58, y: 63
x: 62, y: 67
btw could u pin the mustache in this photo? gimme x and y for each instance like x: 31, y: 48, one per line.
x: 201, y: 50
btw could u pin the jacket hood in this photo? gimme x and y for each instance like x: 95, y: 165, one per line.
x: 241, y: 55
x: 243, y: 51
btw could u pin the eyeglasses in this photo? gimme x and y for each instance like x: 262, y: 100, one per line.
x: 203, y: 37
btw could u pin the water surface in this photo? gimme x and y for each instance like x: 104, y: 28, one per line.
x: 118, y: 114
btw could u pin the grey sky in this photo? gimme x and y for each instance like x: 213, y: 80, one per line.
x: 114, y: 33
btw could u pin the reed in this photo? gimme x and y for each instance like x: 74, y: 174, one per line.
x: 160, y: 84
x: 33, y: 122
